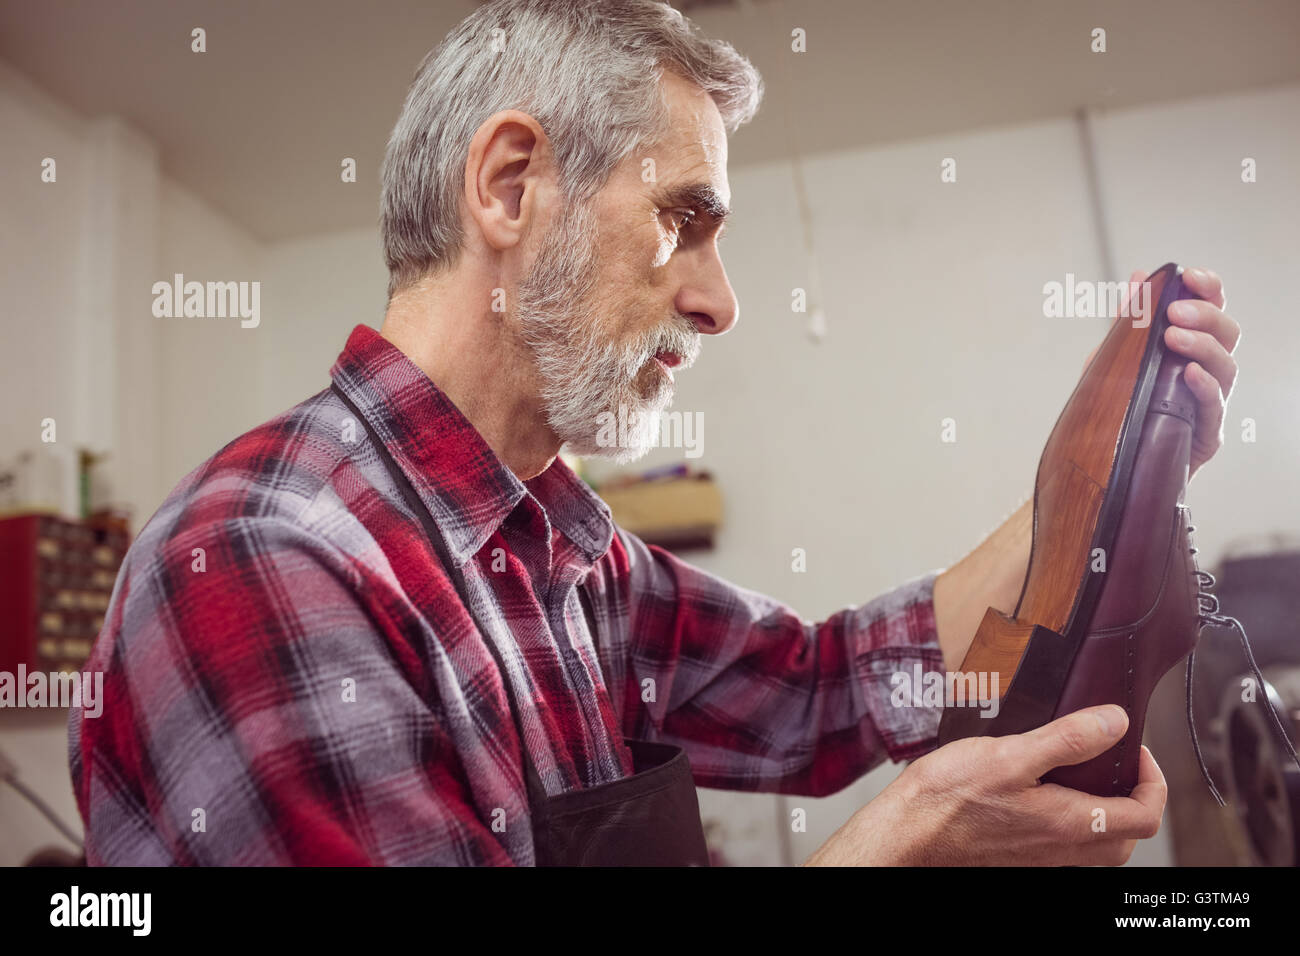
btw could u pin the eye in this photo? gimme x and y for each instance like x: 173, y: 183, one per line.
x: 680, y: 219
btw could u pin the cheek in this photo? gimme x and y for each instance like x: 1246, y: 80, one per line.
x: 663, y: 251
x: 631, y: 289
x: 650, y: 247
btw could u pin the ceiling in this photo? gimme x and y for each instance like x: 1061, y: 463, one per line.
x: 259, y: 124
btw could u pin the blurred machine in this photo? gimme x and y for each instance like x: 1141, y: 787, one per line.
x: 1264, y: 591
x: 1261, y: 824
x: 1262, y: 783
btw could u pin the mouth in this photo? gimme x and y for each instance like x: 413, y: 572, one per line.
x: 667, y: 361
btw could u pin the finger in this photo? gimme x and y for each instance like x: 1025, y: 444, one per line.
x: 1210, y: 414
x: 1137, y: 816
x: 1207, y: 351
x: 1206, y: 284
x: 1103, y: 830
x: 1205, y: 388
x: 1072, y: 739
x: 1152, y: 790
x: 1087, y: 818
x: 1206, y: 317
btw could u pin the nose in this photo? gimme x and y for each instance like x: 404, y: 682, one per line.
x: 706, y: 295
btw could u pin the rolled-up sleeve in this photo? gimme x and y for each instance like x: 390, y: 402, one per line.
x: 759, y: 698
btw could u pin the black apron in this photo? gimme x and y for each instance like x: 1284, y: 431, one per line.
x: 651, y: 818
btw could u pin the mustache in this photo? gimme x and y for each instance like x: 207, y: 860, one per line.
x: 680, y: 337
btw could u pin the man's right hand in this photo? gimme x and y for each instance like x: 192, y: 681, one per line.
x: 979, y: 801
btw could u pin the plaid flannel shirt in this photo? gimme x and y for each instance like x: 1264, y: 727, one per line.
x: 290, y: 677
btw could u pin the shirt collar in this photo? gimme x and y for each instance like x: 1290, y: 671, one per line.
x: 454, y: 471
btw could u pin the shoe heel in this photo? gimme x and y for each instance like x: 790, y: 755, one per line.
x: 1029, y: 664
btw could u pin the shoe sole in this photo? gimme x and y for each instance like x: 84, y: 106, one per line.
x: 1082, y: 482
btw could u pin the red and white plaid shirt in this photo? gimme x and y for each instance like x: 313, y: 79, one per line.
x: 290, y: 677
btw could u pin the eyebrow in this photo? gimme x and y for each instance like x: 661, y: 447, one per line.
x: 699, y: 196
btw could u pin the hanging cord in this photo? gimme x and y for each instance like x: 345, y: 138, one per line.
x: 9, y: 774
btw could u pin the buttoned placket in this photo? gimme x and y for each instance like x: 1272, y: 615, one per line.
x: 555, y: 567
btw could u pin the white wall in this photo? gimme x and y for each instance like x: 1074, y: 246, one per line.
x: 82, y: 345
x: 320, y: 289
x: 41, y: 260
x: 211, y: 376
x: 78, y: 258
x: 934, y: 305
x: 40, y: 224
x: 1172, y: 179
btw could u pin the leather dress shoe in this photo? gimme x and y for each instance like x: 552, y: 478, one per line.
x: 1113, y: 597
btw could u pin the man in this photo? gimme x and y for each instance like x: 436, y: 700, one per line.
x: 391, y: 626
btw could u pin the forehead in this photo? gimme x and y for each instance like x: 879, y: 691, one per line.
x: 695, y: 146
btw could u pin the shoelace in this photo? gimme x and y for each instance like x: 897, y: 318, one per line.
x: 1207, y: 606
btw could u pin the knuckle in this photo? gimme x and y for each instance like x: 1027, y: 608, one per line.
x: 1149, y: 827
x: 989, y: 759
x: 1063, y: 816
x: 1003, y: 750
x: 920, y: 774
x: 937, y: 770
x: 1073, y: 738
x: 986, y: 748
x: 1069, y: 826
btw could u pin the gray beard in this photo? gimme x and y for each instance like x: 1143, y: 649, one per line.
x: 583, y: 375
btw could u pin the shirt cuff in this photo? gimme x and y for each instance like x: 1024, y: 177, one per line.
x: 895, y: 646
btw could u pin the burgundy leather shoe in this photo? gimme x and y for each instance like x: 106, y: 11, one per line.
x: 1112, y: 598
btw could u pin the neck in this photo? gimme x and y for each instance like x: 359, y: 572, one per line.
x: 474, y: 357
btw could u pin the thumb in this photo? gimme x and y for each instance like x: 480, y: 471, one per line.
x: 1074, y: 738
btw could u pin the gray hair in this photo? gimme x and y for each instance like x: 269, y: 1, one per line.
x: 587, y: 70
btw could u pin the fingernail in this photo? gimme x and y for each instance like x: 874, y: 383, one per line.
x: 1111, y: 719
x: 1181, y: 338
x: 1182, y: 310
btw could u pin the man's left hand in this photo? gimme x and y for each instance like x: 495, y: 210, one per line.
x: 1201, y: 331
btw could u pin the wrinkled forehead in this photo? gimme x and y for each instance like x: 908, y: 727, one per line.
x: 694, y: 148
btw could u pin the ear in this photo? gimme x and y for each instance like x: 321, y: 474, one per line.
x: 509, y: 161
